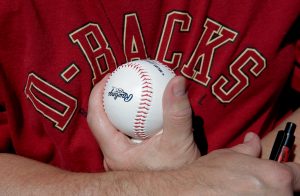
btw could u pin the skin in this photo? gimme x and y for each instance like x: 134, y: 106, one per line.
x: 157, y: 152
x: 176, y: 168
x: 235, y: 171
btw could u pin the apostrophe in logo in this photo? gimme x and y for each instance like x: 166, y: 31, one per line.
x: 120, y: 93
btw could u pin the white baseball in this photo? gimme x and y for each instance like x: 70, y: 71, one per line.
x: 132, y: 97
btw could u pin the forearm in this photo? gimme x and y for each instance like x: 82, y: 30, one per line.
x: 22, y: 175
x: 267, y: 142
x: 226, y: 171
x: 27, y: 177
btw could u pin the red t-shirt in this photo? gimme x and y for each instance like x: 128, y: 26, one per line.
x: 238, y: 58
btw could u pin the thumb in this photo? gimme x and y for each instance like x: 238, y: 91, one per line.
x: 251, y: 145
x: 177, y: 111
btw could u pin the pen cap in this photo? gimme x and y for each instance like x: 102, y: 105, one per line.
x: 290, y: 138
x: 290, y: 128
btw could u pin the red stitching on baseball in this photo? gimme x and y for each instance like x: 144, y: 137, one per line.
x: 145, y: 104
x: 147, y: 85
x: 147, y: 91
x: 145, y: 101
x: 146, y: 96
x: 143, y: 107
x: 148, y: 100
x: 139, y: 115
x: 139, y: 126
x: 138, y: 123
x: 139, y: 119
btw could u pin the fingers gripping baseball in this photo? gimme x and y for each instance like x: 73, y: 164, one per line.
x: 108, y: 137
x: 173, y: 148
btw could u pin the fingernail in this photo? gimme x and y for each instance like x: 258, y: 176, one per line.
x: 248, y: 137
x: 179, y: 87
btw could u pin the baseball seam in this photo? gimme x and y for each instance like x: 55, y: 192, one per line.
x: 145, y: 101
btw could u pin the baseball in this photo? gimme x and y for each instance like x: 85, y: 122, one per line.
x: 132, y: 97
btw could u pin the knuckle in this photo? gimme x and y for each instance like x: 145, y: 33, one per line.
x: 280, y: 177
x: 180, y: 113
x: 283, y: 176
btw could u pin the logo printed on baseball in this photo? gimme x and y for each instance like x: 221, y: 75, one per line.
x: 118, y: 92
x: 140, y: 86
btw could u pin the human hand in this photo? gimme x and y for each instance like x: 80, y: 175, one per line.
x: 172, y: 148
x: 239, y: 171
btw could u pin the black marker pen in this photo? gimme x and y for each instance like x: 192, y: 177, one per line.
x: 283, y: 143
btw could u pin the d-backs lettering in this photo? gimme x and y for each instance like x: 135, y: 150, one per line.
x: 95, y: 47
